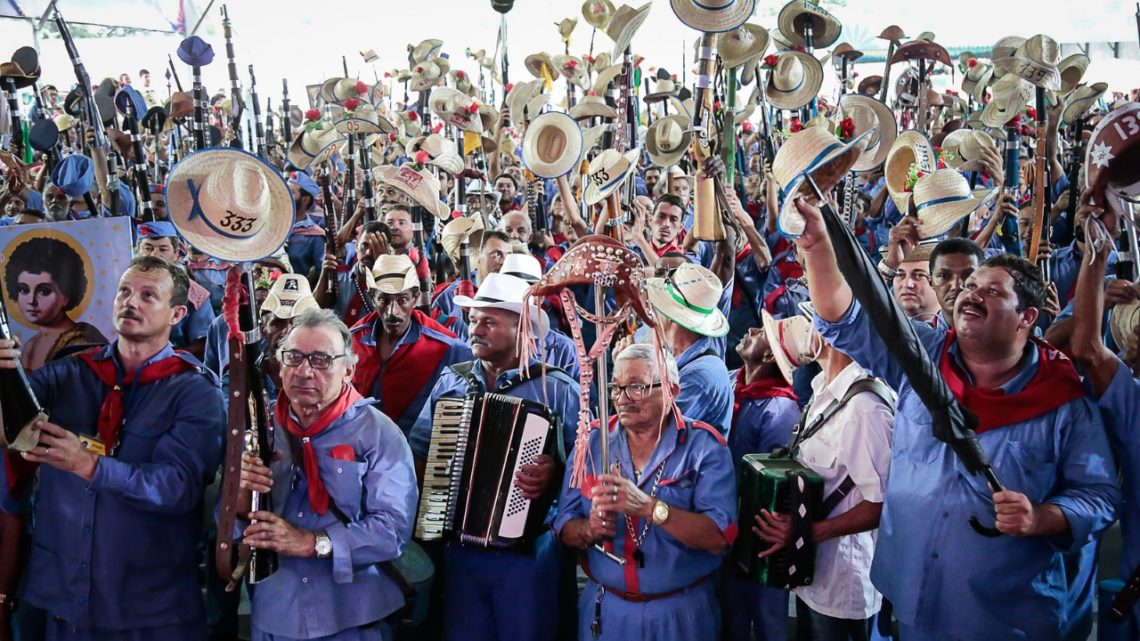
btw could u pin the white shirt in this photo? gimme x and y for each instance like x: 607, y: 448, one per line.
x: 855, y: 442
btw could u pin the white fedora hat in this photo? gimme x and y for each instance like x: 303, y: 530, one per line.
x: 289, y: 296
x: 667, y: 140
x: 498, y: 291
x: 522, y: 266
x: 795, y: 80
x: 607, y: 171
x: 1010, y: 94
x: 689, y: 297
x: 393, y: 273
x: 552, y: 145
x: 230, y: 204
x: 456, y: 108
x: 420, y: 186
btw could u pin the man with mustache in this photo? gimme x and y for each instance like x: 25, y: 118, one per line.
x: 134, y: 438
x: 401, y: 349
x: 489, y: 594
x: 352, y: 300
x: 1042, y: 435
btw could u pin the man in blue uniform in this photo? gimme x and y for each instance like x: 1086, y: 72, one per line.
x: 401, y: 350
x: 306, y: 244
x: 663, y: 520
x: 346, y: 497
x: 503, y: 594
x: 134, y: 438
x: 1044, y: 438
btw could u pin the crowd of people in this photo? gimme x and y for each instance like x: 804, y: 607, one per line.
x: 925, y: 305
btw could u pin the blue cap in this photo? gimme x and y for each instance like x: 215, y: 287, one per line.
x: 126, y: 200
x: 129, y: 94
x: 74, y: 175
x: 157, y: 229
x: 306, y: 183
x: 195, y: 52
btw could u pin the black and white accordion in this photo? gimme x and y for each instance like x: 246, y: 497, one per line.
x: 478, y: 444
x: 778, y: 484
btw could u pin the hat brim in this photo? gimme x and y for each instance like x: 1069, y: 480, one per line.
x: 1123, y: 323
x: 713, y: 21
x: 713, y: 324
x: 801, y: 95
x: 569, y: 156
x: 936, y: 220
x: 1039, y: 75
x: 772, y: 331
x: 828, y: 27
x: 888, y: 131
x: 595, y: 194
x: 826, y: 173
x: 625, y: 35
x: 198, y: 232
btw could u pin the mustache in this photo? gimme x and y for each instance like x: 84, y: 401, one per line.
x: 392, y: 320
x: 479, y: 341
x: 973, y: 306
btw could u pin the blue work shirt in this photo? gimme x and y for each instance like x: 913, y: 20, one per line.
x: 447, y: 313
x: 214, y: 280
x: 560, y: 396
x: 1065, y: 264
x: 307, y: 598
x: 119, y: 552
x: 1120, y: 406
x: 457, y: 352
x: 305, y: 251
x: 194, y: 325
x: 706, y: 391
x: 937, y: 572
x: 696, y: 475
x: 761, y: 425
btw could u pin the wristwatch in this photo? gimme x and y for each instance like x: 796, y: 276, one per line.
x: 323, y: 546
x: 886, y: 271
x: 660, y: 513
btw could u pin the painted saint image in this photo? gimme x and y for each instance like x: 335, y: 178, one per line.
x: 47, y: 279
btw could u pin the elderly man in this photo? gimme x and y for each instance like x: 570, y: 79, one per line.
x: 653, y: 531
x: 134, y: 438
x: 687, y: 304
x: 401, y: 350
x: 1044, y: 438
x: 951, y: 263
x: 346, y: 495
x: 503, y: 594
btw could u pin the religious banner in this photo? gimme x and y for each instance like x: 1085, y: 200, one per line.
x: 59, y: 283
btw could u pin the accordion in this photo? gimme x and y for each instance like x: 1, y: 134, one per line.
x: 778, y: 484
x: 478, y: 444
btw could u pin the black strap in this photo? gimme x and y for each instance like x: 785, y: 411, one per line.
x: 533, y: 371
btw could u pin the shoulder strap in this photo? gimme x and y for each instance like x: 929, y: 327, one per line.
x: 864, y: 384
x: 887, y: 396
x: 464, y: 370
x: 533, y: 371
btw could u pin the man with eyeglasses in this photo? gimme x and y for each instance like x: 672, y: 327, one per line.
x: 135, y: 436
x: 401, y: 349
x: 344, y: 492
x: 651, y: 532
x: 488, y: 594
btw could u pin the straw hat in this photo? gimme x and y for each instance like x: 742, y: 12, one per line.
x: 592, y: 106
x: 713, y: 16
x: 690, y: 297
x: 1004, y: 48
x: 976, y: 79
x: 229, y: 204
x: 566, y: 28
x: 667, y: 140
x: 1034, y: 60
x: 795, y: 80
x: 1010, y: 94
x: 943, y: 198
x: 1072, y: 69
x: 793, y: 340
x: 741, y: 44
x: 337, y: 90
x: 463, y: 82
x: 1080, y: 100
x: 454, y: 233
x: 441, y: 152
x: 535, y: 106
x: 624, y: 23
x: 429, y: 73
x: 363, y: 120
x: 844, y: 50
x: 538, y: 63
x: 429, y: 48
x: 1122, y: 325
x: 870, y: 115
x: 607, y: 171
x: 963, y: 145
x: 572, y: 69
x: 519, y: 96
x: 393, y: 274
x: 592, y: 136
x: 1112, y: 159
x: 663, y: 88
x: 597, y: 13
x: 552, y: 145
x: 910, y: 148
x: 420, y: 186
x: 289, y: 296
x: 814, y: 151
x: 312, y: 146
x: 456, y: 108
x: 797, y: 14
x: 605, y: 77
x: 870, y: 85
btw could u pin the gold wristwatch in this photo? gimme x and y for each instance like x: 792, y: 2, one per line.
x: 660, y: 513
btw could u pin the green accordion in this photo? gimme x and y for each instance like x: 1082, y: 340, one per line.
x: 778, y: 484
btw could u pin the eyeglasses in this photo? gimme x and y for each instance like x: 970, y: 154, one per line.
x: 317, y: 360
x: 634, y: 391
x: 917, y: 277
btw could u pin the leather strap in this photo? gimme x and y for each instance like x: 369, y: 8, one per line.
x: 638, y: 597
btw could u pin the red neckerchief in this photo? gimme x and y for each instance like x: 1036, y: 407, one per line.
x: 318, y: 495
x: 761, y: 388
x: 1055, y: 384
x: 111, y: 413
x: 408, y: 370
x: 671, y: 247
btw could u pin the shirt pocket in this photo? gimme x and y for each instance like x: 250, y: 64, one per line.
x: 1026, y: 468
x: 344, y: 481
x: 679, y: 489
x: 139, y: 437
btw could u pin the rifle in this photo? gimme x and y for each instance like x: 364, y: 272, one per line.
x: 1040, y: 190
x: 237, y: 105
x: 84, y: 81
x: 260, y: 148
x: 286, y: 116
x: 332, y: 226
x: 139, y: 167
x: 707, y: 223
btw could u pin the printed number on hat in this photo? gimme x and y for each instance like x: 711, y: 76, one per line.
x: 239, y: 224
x: 600, y: 176
x: 1133, y: 127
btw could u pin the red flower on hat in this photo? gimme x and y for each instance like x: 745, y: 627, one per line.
x: 795, y: 125
x: 716, y: 105
x: 274, y: 275
x: 854, y: 74
x: 361, y: 88
x: 422, y: 157
x: 419, y: 69
x: 413, y: 116
x: 1014, y: 122
x: 747, y: 127
x: 770, y: 60
x: 473, y: 108
x: 391, y: 136
x: 972, y: 62
x: 1031, y: 113
x: 571, y: 64
x: 144, y: 230
x: 437, y: 128
x: 799, y: 48
x: 589, y: 59
x: 461, y: 74
x: 313, y: 115
x: 456, y: 214
x: 387, y: 75
x: 847, y: 128
x: 509, y: 87
x: 1026, y: 130
x: 674, y: 77
x: 351, y: 103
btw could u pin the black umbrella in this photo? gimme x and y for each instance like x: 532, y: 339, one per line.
x: 952, y: 424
